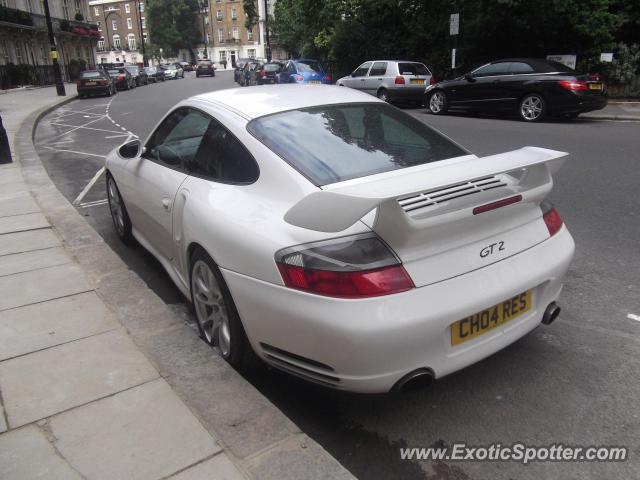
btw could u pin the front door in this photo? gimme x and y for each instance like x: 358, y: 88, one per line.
x: 157, y: 176
x: 358, y: 77
x: 233, y: 58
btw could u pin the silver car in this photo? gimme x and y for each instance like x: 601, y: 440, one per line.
x: 390, y: 80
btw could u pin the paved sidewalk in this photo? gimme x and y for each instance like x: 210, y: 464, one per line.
x: 616, y: 111
x: 97, y: 375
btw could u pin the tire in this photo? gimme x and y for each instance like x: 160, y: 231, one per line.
x: 438, y: 103
x: 383, y: 95
x: 119, y: 214
x: 210, y: 295
x: 532, y: 108
x: 108, y: 94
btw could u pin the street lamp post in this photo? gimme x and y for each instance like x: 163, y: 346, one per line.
x: 266, y: 30
x: 203, y: 6
x: 54, y: 51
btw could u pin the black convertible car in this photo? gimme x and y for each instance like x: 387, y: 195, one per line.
x: 532, y: 88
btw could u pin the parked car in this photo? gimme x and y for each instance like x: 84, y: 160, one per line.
x: 186, y: 66
x: 206, y: 67
x: 173, y: 71
x: 237, y: 71
x: 531, y: 88
x: 410, y: 261
x: 247, y: 72
x: 154, y: 74
x: 122, y: 78
x: 265, y: 73
x: 95, y: 82
x: 390, y: 80
x: 138, y: 74
x: 303, y: 71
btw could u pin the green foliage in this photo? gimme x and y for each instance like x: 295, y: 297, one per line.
x: 251, y: 13
x: 345, y: 33
x: 79, y: 17
x: 172, y: 25
x: 626, y: 65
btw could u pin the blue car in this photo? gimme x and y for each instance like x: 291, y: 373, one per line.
x: 303, y: 71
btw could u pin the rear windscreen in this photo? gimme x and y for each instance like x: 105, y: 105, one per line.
x: 114, y: 72
x: 90, y: 75
x: 333, y: 143
x: 412, y: 69
x: 272, y: 67
x: 309, y: 66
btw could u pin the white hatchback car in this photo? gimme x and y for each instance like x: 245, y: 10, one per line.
x: 340, y: 239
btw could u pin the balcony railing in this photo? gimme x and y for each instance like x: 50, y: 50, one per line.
x: 39, y: 22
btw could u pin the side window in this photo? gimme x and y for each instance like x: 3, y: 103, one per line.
x: 378, y: 69
x: 362, y: 70
x: 222, y: 158
x: 176, y: 141
x: 520, y: 67
x: 492, y: 70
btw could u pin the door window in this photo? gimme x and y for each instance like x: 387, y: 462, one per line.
x: 362, y: 70
x: 378, y: 69
x: 222, y: 158
x: 516, y: 68
x: 176, y: 141
x: 492, y: 69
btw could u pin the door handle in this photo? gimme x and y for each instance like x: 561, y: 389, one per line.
x: 496, y: 81
x: 166, y: 203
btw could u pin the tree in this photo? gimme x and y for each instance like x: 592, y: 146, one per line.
x: 250, y: 13
x: 172, y: 25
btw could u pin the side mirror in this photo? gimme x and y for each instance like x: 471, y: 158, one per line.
x: 469, y: 77
x: 130, y: 149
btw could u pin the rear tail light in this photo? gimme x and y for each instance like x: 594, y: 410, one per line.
x: 551, y: 218
x: 357, y: 266
x: 573, y: 85
x: 433, y: 80
x: 399, y: 80
x: 104, y: 82
x: 120, y: 77
x: 327, y: 78
x: 495, y: 205
x: 78, y: 83
x: 263, y: 74
x: 298, y: 78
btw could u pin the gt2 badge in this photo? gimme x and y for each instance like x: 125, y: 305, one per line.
x: 494, y: 247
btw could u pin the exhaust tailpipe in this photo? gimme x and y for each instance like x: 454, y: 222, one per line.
x: 551, y: 313
x: 413, y: 381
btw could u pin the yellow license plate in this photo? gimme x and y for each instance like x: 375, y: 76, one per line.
x: 595, y: 86
x: 315, y: 81
x: 417, y: 81
x: 486, y: 320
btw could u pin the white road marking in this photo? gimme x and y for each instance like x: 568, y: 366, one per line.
x: 631, y: 316
x: 93, y: 204
x: 83, y: 126
x: 88, y: 187
x: 86, y: 128
x: 118, y: 135
x: 73, y: 151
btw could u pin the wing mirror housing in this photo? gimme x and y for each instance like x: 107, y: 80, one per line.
x: 131, y: 149
x: 469, y: 77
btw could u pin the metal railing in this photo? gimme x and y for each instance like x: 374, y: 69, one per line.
x: 12, y: 76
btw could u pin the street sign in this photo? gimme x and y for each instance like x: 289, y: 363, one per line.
x: 568, y: 60
x: 454, y: 24
x: 606, y: 57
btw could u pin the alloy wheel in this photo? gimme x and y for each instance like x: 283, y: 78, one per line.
x: 211, y: 311
x: 382, y: 95
x: 115, y: 205
x: 436, y: 102
x: 531, y: 108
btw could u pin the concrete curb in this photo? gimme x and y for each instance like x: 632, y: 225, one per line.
x: 255, y: 434
x: 633, y: 118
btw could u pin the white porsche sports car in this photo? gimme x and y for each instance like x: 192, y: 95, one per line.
x: 340, y: 239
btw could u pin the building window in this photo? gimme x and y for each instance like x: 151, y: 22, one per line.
x: 234, y: 14
x: 78, y: 7
x: 96, y: 10
x: 218, y: 15
x: 116, y: 41
x: 223, y: 55
x: 29, y: 6
x: 131, y: 40
x: 251, y: 53
x: 145, y: 38
x: 114, y: 25
x: 221, y: 35
x: 134, y: 59
x: 129, y: 24
x: 6, y: 56
x: 208, y: 39
x: 127, y: 8
x: 100, y: 44
x: 249, y: 35
x: 206, y: 20
x: 99, y: 26
x: 18, y: 53
x: 141, y: 7
x: 143, y: 21
x: 235, y: 34
x: 65, y: 9
x: 44, y: 49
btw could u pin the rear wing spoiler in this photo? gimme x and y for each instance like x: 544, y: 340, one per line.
x: 339, y: 206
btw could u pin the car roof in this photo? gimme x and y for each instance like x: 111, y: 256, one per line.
x: 264, y: 100
x: 539, y: 64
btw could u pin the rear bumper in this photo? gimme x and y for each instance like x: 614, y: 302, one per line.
x: 406, y: 94
x: 205, y: 72
x: 368, y: 345
x: 267, y: 81
x: 573, y: 103
x: 97, y: 90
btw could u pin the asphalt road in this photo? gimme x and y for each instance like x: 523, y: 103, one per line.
x: 575, y: 382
